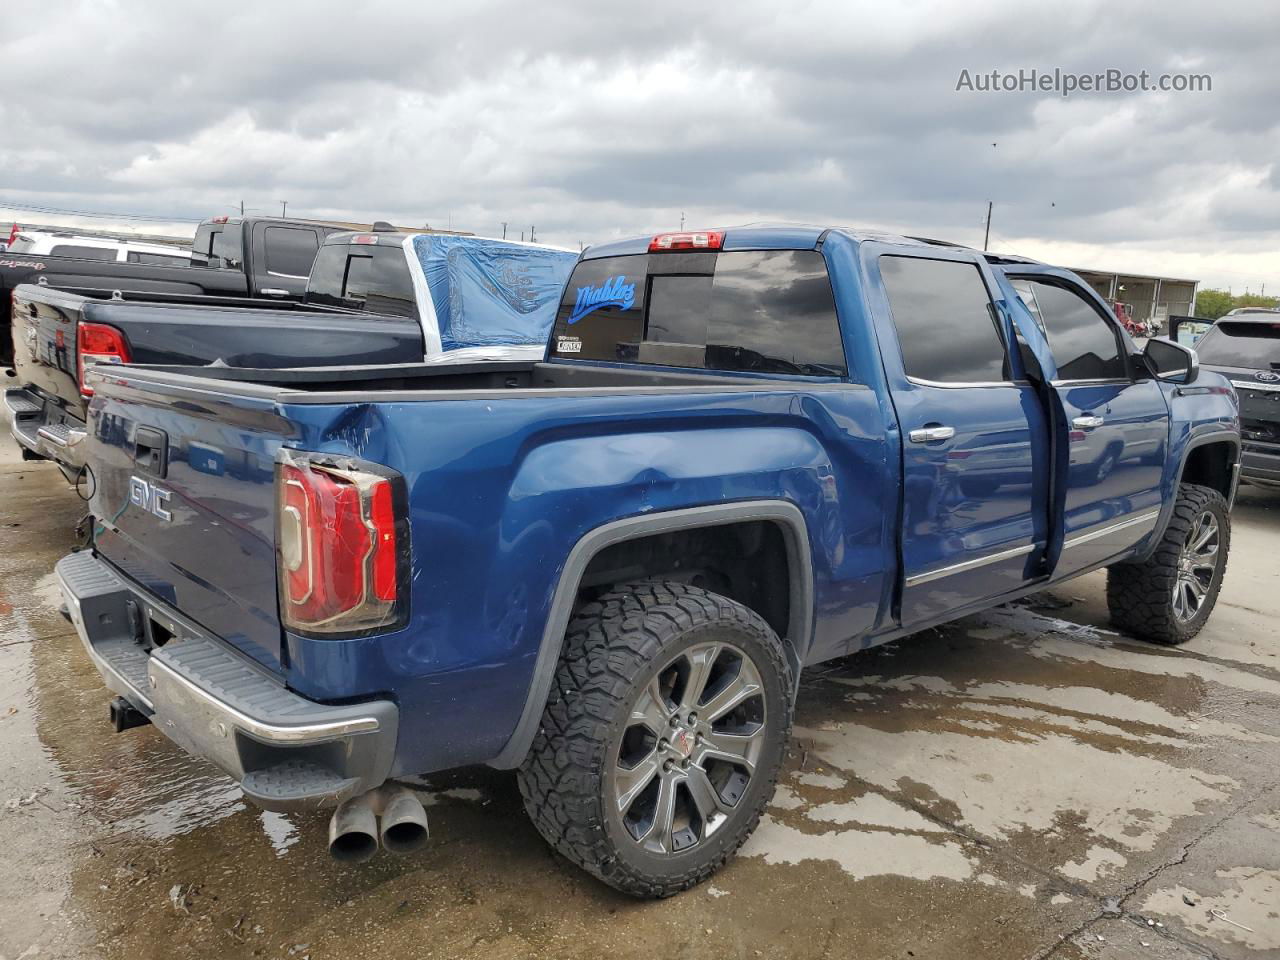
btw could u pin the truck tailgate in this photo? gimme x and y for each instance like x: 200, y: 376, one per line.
x: 182, y: 494
x: 44, y: 341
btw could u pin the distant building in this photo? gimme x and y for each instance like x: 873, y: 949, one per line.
x: 1149, y: 297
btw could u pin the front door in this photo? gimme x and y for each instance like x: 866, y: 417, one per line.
x: 975, y: 439
x: 1119, y: 425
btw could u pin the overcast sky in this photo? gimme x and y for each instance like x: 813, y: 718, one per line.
x: 600, y: 120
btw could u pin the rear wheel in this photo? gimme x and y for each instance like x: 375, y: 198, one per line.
x: 1168, y: 597
x: 662, y: 739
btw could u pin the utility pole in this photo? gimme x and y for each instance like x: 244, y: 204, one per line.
x: 504, y: 229
x: 284, y: 205
x: 986, y: 236
x: 532, y: 236
x: 522, y: 236
x: 682, y: 220
x: 242, y: 208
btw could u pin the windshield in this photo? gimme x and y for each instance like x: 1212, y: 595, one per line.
x: 1253, y: 345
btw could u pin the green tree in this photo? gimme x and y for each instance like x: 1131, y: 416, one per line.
x: 1211, y: 304
x: 1252, y: 300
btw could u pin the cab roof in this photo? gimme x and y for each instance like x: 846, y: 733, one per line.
x: 778, y: 236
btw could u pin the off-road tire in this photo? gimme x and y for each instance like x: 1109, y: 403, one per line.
x: 1140, y: 595
x: 614, y: 646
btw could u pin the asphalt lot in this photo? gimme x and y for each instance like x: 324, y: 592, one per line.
x: 1022, y: 784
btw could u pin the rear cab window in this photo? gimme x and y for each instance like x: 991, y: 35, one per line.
x: 156, y: 259
x: 365, y: 277
x: 228, y: 246
x: 764, y: 312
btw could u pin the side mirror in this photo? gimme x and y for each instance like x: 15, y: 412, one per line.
x: 1188, y: 330
x: 1171, y: 361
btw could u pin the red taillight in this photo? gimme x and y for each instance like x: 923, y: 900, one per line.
x: 97, y: 343
x: 339, y: 561
x: 364, y: 238
x: 694, y: 240
x: 218, y: 220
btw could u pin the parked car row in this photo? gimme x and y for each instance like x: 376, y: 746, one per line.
x: 371, y: 298
x: 737, y: 454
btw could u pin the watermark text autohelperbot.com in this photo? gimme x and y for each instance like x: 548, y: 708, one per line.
x: 1065, y: 82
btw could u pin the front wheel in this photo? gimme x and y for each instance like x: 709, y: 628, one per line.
x: 1168, y: 597
x: 662, y: 738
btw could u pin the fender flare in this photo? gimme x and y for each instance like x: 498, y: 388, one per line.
x: 799, y: 565
x: 1166, y: 510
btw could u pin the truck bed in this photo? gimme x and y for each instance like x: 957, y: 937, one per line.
x: 507, y: 467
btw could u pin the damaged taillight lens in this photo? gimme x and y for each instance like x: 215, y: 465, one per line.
x: 340, y: 543
x: 97, y: 343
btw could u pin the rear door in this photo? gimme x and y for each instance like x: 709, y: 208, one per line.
x: 1119, y: 424
x: 975, y: 450
x: 282, y: 258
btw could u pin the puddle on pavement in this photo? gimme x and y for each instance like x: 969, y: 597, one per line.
x: 1077, y: 765
x: 1070, y: 748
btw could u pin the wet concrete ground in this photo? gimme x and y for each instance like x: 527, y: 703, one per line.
x: 1022, y: 784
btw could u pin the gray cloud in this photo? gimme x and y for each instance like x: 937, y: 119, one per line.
x: 595, y: 121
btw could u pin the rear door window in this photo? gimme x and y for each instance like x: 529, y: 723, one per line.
x: 1085, y: 343
x: 947, y: 328
x: 756, y: 311
x: 290, y: 251
x: 83, y: 253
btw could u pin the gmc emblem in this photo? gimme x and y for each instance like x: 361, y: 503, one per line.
x: 149, y: 497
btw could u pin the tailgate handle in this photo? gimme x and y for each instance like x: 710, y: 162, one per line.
x: 151, y: 451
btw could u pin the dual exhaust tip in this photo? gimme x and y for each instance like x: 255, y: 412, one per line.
x: 389, y: 816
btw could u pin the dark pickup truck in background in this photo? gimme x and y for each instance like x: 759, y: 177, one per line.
x: 231, y: 257
x: 371, y: 300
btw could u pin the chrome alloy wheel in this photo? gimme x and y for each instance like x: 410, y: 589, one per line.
x: 1197, y: 564
x: 690, y: 747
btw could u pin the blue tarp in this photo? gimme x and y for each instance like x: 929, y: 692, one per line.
x: 490, y: 292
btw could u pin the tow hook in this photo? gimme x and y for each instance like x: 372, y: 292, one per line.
x: 125, y: 716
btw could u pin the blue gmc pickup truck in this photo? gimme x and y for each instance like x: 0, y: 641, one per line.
x: 745, y: 452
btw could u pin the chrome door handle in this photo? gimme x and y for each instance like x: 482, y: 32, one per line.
x: 274, y: 292
x: 929, y: 434
x: 1087, y: 423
